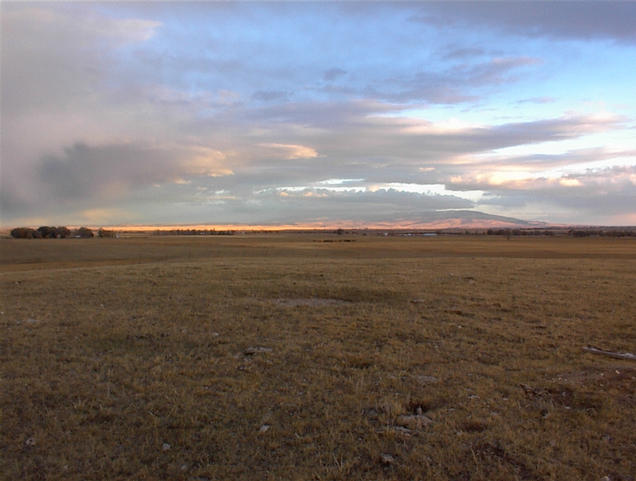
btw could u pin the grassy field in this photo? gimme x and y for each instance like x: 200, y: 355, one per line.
x: 286, y: 357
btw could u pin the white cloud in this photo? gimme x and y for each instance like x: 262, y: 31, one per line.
x: 292, y: 151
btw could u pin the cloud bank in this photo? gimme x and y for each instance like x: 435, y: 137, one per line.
x: 297, y: 113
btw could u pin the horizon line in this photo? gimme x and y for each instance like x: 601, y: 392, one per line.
x: 319, y: 226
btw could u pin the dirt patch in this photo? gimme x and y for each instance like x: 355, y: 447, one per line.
x: 311, y: 302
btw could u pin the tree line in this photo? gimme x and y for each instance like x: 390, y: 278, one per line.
x: 59, y: 232
x: 193, y: 232
x: 584, y: 232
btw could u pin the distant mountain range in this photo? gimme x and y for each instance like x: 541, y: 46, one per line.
x: 468, y: 219
x: 447, y: 219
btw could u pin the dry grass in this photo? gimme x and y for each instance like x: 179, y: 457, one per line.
x: 280, y: 357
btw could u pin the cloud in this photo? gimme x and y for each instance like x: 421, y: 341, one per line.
x: 597, y: 192
x: 205, y: 161
x: 562, y: 20
x: 165, y: 112
x: 333, y: 74
x: 535, y: 162
x: 320, y: 113
x: 269, y: 95
x: 316, y: 205
x: 537, y: 100
x: 462, y: 53
x: 85, y: 175
x: 49, y: 55
x: 412, y: 141
x: 457, y: 84
x: 292, y: 151
x: 84, y: 171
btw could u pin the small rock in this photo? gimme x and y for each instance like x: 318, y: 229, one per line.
x: 413, y: 421
x: 386, y: 459
x: 403, y: 430
x: 184, y: 467
x: 30, y: 442
x: 215, y: 334
x: 426, y: 379
x: 165, y: 447
x: 264, y: 428
x: 371, y: 413
x: 395, y: 429
x: 606, y: 478
x: 250, y: 351
x: 32, y: 321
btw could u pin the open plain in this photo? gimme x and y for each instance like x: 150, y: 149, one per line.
x: 284, y: 357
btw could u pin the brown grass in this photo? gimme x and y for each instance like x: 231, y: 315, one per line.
x: 279, y: 357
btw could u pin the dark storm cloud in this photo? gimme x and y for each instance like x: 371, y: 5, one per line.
x: 84, y: 171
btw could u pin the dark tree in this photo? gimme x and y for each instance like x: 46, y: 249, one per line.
x: 47, y: 232
x: 85, y: 233
x: 62, y: 232
x: 105, y: 233
x: 25, y: 233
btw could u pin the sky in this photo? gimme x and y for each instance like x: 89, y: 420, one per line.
x: 318, y: 114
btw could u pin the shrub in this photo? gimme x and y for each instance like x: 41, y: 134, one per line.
x: 47, y: 232
x: 105, y: 233
x: 25, y: 233
x: 84, y: 233
x: 62, y: 232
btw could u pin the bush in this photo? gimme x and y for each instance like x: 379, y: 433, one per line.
x: 47, y: 232
x: 84, y: 233
x: 105, y: 233
x: 62, y: 232
x: 42, y: 232
x: 25, y: 233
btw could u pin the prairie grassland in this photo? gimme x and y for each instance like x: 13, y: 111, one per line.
x: 285, y: 357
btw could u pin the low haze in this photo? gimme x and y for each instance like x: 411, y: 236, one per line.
x: 317, y: 113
